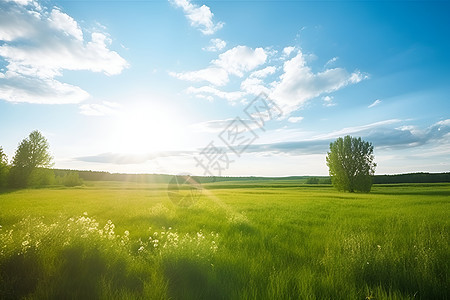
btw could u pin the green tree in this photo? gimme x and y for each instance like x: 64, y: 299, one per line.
x: 33, y: 152
x: 351, y: 164
x: 4, y: 168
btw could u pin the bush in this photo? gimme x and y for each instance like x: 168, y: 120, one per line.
x: 70, y: 179
x: 312, y: 180
x: 41, y: 177
x: 325, y: 181
x: 18, y: 177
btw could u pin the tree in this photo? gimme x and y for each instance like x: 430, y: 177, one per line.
x: 351, y: 164
x: 33, y: 152
x: 4, y: 168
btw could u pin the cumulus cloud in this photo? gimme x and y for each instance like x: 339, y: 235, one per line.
x: 241, y: 59
x: 199, y: 17
x: 290, y: 85
x: 38, y: 44
x: 285, y: 77
x: 215, y: 45
x: 235, y: 61
x: 254, y: 86
x: 287, y: 52
x: 15, y: 87
x: 264, y: 72
x: 298, y: 83
x: 376, y: 102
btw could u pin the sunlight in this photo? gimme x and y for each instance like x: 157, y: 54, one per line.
x: 145, y: 129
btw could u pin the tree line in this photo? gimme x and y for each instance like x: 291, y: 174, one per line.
x: 31, y: 165
x: 350, y: 161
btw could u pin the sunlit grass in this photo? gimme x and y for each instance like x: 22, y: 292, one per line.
x: 123, y: 240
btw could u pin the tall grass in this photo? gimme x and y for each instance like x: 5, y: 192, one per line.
x: 130, y: 242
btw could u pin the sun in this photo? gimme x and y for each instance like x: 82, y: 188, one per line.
x: 146, y: 129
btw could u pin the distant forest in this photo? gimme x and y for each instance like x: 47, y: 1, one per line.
x: 164, y: 178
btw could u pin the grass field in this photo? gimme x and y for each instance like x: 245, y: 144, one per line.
x: 240, y: 240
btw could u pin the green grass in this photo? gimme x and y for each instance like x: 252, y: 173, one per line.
x: 241, y: 240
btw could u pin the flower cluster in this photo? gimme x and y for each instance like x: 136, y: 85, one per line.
x: 165, y: 241
x: 32, y: 233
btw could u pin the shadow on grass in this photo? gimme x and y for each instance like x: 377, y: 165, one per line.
x: 189, y: 279
x: 81, y: 272
x: 78, y: 273
x: 19, y: 276
x: 413, y: 193
x: 4, y: 191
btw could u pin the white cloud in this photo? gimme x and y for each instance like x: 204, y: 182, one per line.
x: 264, y: 72
x: 328, y: 101
x: 235, y: 61
x: 17, y: 88
x: 356, y: 129
x: 298, y: 83
x: 444, y: 123
x: 22, y: 2
x: 213, y: 126
x: 206, y: 91
x: 103, y: 109
x: 215, y: 45
x: 213, y: 75
x: 241, y: 59
x: 66, y: 24
x: 295, y: 119
x: 200, y: 17
x: 287, y: 51
x: 331, y: 61
x: 38, y: 44
x: 376, y: 102
x: 254, y: 86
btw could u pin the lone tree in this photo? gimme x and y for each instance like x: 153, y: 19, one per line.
x: 32, y: 153
x: 350, y: 163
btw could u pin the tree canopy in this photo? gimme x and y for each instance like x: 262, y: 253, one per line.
x: 4, y: 168
x: 32, y: 153
x: 351, y: 164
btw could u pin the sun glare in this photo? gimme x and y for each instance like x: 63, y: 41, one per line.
x: 146, y: 130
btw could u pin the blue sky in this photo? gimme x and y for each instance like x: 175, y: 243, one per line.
x: 156, y: 86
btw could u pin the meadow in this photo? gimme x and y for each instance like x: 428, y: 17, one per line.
x: 239, y: 240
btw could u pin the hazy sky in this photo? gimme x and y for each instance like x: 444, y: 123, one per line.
x: 172, y: 86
